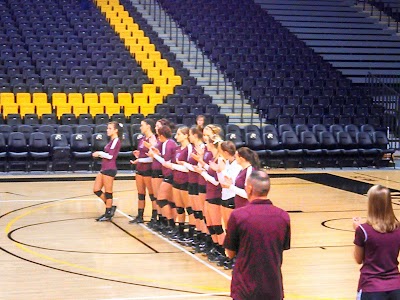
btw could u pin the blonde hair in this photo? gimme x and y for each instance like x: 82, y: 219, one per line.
x: 216, y: 130
x: 380, y: 211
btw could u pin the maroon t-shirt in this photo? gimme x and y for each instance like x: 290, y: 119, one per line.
x: 111, y: 148
x: 181, y: 155
x: 167, y: 152
x: 240, y: 182
x: 379, y: 272
x: 140, y: 166
x: 258, y: 233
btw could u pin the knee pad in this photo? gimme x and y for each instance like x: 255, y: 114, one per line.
x: 141, y: 197
x: 152, y: 197
x: 172, y: 204
x: 211, y: 230
x: 189, y: 210
x: 201, y: 217
x: 180, y: 210
x: 98, y: 193
x: 218, y: 229
x: 108, y: 195
x: 162, y: 203
x: 196, y: 214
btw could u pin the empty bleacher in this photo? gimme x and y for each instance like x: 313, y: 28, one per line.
x: 342, y: 34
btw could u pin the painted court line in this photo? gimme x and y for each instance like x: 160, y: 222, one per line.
x: 47, y: 200
x: 172, y: 296
x: 178, y: 247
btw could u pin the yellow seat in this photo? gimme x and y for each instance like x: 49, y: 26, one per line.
x: 153, y: 73
x: 125, y: 34
x: 106, y: 98
x: 95, y: 109
x: 59, y: 99
x: 155, y: 55
x: 155, y: 99
x: 175, y: 80
x: 140, y: 98
x: 79, y: 109
x: 124, y: 99
x: 143, y: 40
x: 147, y: 64
x: 140, y: 56
x: 7, y: 98
x: 113, y: 109
x: 149, y: 48
x: 63, y: 109
x: 23, y: 98
x: 161, y: 63
x: 10, y: 109
x: 39, y: 98
x: 160, y: 80
x: 166, y: 90
x: 148, y: 88
x: 169, y: 72
x: 131, y: 109
x: 75, y: 98
x: 27, y: 108
x: 90, y: 98
x: 131, y: 26
x: 123, y: 14
x: 43, y: 108
x: 147, y: 109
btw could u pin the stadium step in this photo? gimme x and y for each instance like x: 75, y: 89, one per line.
x: 206, y: 76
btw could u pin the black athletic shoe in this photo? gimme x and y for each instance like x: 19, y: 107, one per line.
x: 229, y: 264
x: 113, y: 209
x: 105, y: 218
x: 98, y: 218
x: 222, y: 262
x: 137, y: 220
x: 152, y: 223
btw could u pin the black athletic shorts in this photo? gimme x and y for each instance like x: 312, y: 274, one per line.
x: 229, y: 203
x: 215, y: 201
x: 147, y: 173
x: 202, y: 189
x: 156, y: 174
x: 168, y: 179
x: 379, y: 295
x: 180, y: 186
x: 193, y: 188
x: 109, y: 172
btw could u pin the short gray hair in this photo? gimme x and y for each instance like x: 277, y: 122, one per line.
x: 260, y: 182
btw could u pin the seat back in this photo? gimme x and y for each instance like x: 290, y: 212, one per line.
x: 38, y: 142
x: 79, y: 143
x: 17, y: 142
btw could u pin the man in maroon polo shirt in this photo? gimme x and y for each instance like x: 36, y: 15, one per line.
x: 256, y: 235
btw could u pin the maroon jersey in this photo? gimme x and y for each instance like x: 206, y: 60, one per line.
x: 181, y: 155
x: 240, y: 182
x: 112, y: 148
x: 193, y: 177
x: 156, y: 165
x: 167, y: 152
x: 212, y: 191
x: 143, y: 167
x: 206, y: 157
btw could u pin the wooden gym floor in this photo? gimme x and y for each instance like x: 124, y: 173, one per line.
x: 51, y: 247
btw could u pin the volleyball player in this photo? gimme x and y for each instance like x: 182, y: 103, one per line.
x: 180, y: 183
x: 165, y: 199
x: 248, y: 160
x: 196, y: 139
x: 108, y: 169
x: 143, y: 169
x: 213, y: 201
x: 156, y: 177
x: 229, y: 167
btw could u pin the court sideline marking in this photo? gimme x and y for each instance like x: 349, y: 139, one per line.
x: 177, y: 246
